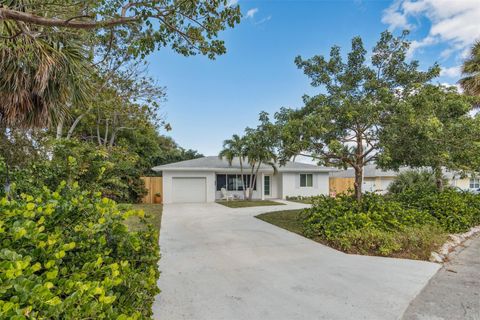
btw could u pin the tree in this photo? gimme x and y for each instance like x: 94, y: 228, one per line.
x: 471, y: 70
x: 48, y: 49
x: 40, y: 77
x: 341, y: 127
x: 432, y: 128
x: 188, y: 27
x: 235, y: 148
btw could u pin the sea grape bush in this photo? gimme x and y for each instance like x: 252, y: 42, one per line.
x: 67, y: 254
x: 456, y: 211
x: 407, y: 224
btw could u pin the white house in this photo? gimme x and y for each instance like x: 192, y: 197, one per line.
x: 378, y: 180
x: 201, y: 180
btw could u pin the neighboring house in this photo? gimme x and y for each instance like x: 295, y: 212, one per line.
x: 201, y: 180
x: 378, y: 180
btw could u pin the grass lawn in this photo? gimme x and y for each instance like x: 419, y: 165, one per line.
x: 153, y: 214
x: 287, y: 219
x: 248, y: 203
x: 306, y: 201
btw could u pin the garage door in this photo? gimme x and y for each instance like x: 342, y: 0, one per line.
x: 189, y: 190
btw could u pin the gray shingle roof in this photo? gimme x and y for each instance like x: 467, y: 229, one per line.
x: 371, y: 171
x: 214, y: 163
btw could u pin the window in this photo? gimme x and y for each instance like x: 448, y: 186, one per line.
x: 474, y: 183
x: 306, y: 180
x: 266, y: 183
x: 221, y: 181
x: 233, y: 182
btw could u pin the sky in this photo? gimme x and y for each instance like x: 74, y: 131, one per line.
x: 209, y: 100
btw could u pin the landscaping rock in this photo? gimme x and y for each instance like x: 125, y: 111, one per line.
x: 454, y: 241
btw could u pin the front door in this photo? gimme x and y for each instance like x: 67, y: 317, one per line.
x: 267, y: 185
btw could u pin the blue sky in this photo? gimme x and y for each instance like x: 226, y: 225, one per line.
x: 209, y: 100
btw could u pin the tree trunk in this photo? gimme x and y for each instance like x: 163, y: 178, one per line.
x: 254, y: 178
x: 358, y: 167
x: 6, y: 158
x: 106, y: 133
x: 243, y: 180
x: 250, y: 185
x: 74, y: 125
x: 60, y: 127
x: 438, y: 177
x: 358, y: 182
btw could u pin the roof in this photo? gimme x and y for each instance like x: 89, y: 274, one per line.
x: 214, y: 163
x: 371, y: 171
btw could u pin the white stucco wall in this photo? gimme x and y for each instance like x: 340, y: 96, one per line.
x: 291, y: 185
x: 167, y: 183
x: 282, y: 185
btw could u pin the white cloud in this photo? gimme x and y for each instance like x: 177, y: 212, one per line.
x: 261, y: 21
x: 394, y: 18
x: 251, y: 13
x: 454, y: 22
x: 452, y: 72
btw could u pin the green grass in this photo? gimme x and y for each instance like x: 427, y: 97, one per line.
x: 306, y: 201
x: 248, y: 203
x: 287, y: 219
x: 153, y: 215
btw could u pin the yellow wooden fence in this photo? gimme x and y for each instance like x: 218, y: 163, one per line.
x: 341, y: 185
x: 154, y: 185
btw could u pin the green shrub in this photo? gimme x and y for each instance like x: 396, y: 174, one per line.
x: 330, y: 217
x: 408, y: 224
x: 411, y: 242
x: 112, y: 171
x: 68, y: 255
x: 418, y: 181
x: 378, y: 225
x: 454, y: 210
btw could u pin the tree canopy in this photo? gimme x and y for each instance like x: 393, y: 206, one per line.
x: 432, y: 128
x: 341, y: 125
x: 187, y: 26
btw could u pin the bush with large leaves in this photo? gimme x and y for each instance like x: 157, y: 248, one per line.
x: 68, y: 255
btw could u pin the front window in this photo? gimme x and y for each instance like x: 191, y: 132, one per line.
x: 306, y: 180
x: 233, y: 182
x: 474, y: 183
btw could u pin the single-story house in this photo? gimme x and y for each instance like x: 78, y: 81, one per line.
x: 202, y: 179
x: 378, y: 180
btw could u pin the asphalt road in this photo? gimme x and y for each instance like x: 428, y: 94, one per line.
x: 454, y: 292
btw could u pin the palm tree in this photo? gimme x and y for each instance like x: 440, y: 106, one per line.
x: 235, y: 148
x: 40, y: 74
x: 471, y: 70
x: 259, y: 150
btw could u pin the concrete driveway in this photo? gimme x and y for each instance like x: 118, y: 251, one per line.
x: 221, y: 263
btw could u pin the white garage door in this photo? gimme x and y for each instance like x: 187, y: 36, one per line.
x: 189, y: 190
